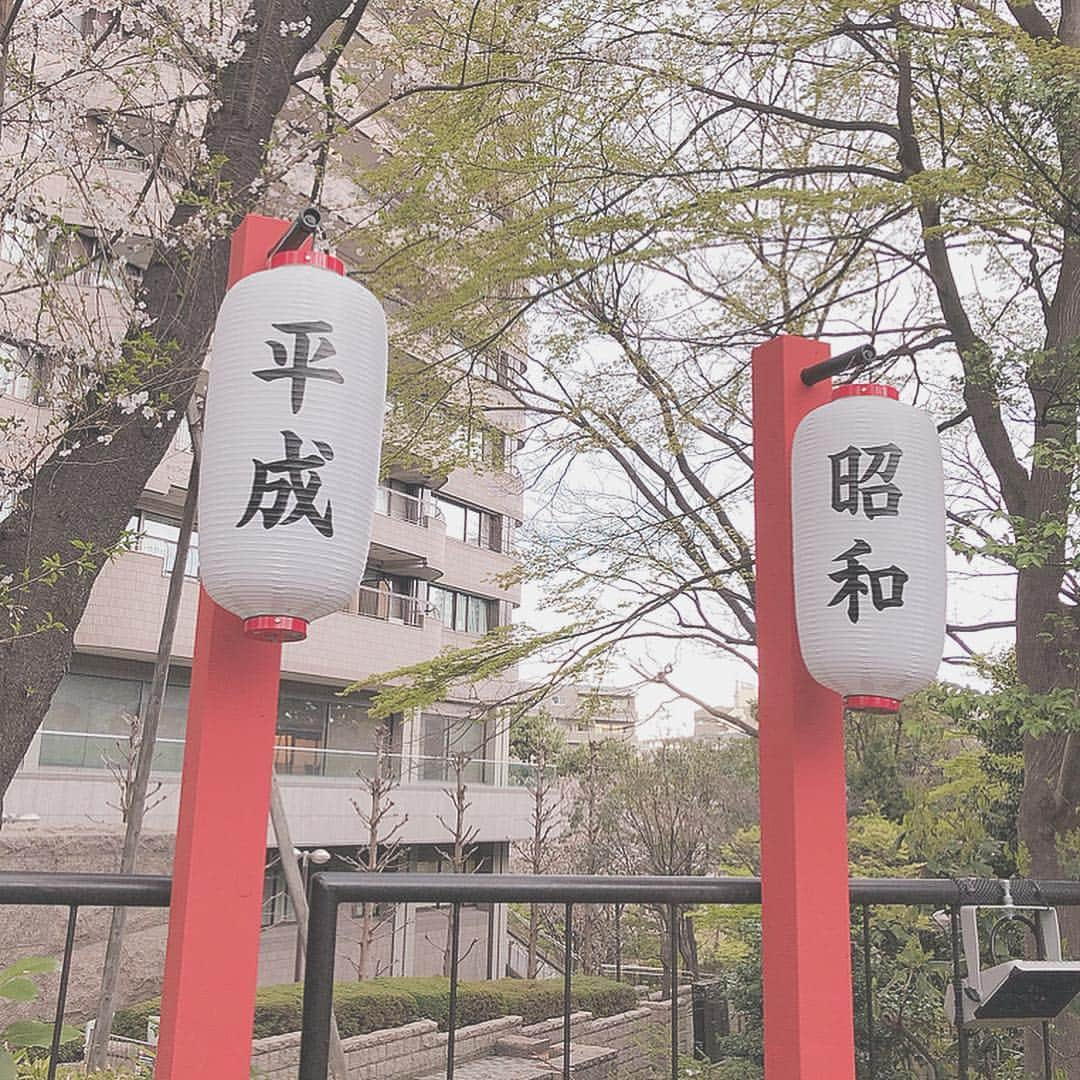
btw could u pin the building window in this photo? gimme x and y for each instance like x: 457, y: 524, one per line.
x: 116, y: 154
x: 464, y: 612
x: 300, y: 737
x: 23, y: 243
x: 494, y: 365
x: 276, y: 905
x: 159, y: 535
x: 486, y: 445
x: 89, y: 721
x: 442, y: 737
x: 20, y: 372
x: 80, y: 258
x: 471, y: 525
x: 89, y: 717
x: 330, y: 738
x: 390, y: 597
x: 494, y: 448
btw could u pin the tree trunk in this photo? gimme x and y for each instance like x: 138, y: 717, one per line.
x: 534, y: 941
x: 1048, y: 805
x: 90, y: 493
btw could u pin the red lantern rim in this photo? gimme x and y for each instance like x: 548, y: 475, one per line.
x: 865, y: 389
x: 322, y: 259
x: 872, y: 703
x: 275, y: 628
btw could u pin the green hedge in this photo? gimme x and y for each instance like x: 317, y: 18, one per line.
x: 386, y: 1002
x: 541, y: 999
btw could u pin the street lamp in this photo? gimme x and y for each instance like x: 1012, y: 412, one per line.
x: 320, y: 857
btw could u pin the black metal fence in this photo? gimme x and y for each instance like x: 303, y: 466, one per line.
x: 74, y: 891
x: 330, y: 890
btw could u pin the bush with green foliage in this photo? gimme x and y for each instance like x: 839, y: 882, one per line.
x: 381, y: 1003
x: 38, y: 1069
x: 17, y: 984
x: 931, y: 793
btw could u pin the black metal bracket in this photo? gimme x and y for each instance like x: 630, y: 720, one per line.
x: 852, y: 360
x: 300, y: 231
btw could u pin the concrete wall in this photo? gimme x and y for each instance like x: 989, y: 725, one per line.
x: 640, y: 1040
x: 39, y: 931
x: 123, y: 618
x: 381, y: 1055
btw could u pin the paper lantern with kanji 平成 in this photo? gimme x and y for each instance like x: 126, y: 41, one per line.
x: 868, y: 525
x: 290, y: 455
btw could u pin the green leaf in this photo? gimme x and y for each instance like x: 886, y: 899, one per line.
x: 7, y: 1066
x: 29, y: 965
x: 35, y: 1033
x: 19, y: 988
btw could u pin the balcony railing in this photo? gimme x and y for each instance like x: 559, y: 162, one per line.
x: 375, y: 603
x: 86, y: 749
x: 404, y: 507
x: 166, y: 551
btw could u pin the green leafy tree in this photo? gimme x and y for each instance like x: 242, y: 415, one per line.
x: 17, y: 986
x: 675, y: 186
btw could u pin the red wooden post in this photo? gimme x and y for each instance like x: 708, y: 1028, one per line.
x: 211, y: 961
x: 809, y: 1031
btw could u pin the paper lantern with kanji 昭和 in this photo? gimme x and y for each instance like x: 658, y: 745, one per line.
x: 868, y: 524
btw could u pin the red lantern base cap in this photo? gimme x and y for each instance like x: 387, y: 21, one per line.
x: 865, y: 389
x: 306, y: 257
x: 872, y: 703
x: 275, y: 628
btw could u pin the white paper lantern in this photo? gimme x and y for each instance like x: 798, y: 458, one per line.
x: 868, y: 524
x: 290, y: 456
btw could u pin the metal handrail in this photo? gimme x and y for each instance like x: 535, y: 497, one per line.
x: 74, y: 891
x: 84, y: 890
x: 330, y: 889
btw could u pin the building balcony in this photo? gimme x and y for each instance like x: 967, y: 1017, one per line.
x: 408, y: 536
x: 123, y: 619
x: 67, y: 779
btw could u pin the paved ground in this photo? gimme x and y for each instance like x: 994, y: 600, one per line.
x: 500, y: 1067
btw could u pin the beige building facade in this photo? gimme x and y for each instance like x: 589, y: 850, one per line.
x: 440, y: 552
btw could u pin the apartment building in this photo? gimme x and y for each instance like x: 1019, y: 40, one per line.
x: 714, y: 729
x: 440, y: 545
x: 592, y: 713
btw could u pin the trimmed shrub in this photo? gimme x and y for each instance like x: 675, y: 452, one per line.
x: 476, y: 1001
x: 541, y: 999
x: 601, y: 997
x: 361, y: 1007
x: 131, y: 1022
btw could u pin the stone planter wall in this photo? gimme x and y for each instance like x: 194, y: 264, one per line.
x: 640, y: 1039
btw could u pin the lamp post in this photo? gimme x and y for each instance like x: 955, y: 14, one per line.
x: 320, y: 857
